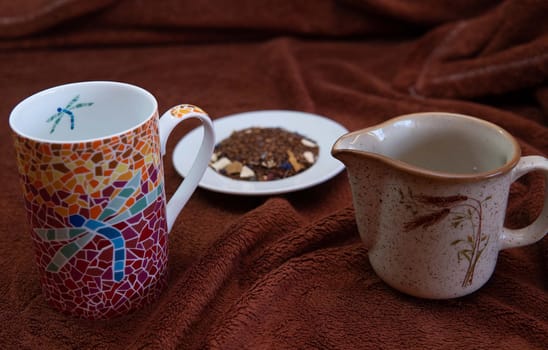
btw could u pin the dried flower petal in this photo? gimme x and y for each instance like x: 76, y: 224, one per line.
x: 246, y: 172
x: 221, y: 163
x: 234, y: 168
x: 294, y: 163
x: 309, y: 157
x: 269, y: 164
x: 308, y: 143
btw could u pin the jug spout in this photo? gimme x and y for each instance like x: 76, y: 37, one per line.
x: 357, y: 147
x: 365, y: 174
x: 353, y: 146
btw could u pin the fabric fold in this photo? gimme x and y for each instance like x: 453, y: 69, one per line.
x: 501, y: 51
x: 210, y: 281
x: 21, y: 18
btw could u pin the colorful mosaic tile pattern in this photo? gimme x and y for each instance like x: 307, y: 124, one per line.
x: 182, y: 110
x: 97, y: 213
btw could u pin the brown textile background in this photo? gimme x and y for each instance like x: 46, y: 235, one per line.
x: 286, y: 271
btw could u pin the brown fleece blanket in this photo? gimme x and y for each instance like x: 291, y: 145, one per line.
x: 286, y: 271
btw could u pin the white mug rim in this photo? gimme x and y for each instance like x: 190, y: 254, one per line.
x: 15, y: 111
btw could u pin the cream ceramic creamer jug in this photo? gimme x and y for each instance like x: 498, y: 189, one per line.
x: 430, y: 192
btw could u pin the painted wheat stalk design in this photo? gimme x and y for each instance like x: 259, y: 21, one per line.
x: 463, y: 211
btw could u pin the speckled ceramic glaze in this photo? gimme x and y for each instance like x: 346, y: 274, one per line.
x: 90, y: 159
x: 430, y: 192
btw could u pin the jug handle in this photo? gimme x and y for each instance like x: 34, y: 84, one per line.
x: 168, y: 122
x: 536, y: 230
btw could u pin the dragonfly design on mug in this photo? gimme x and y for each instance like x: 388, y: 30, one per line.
x: 67, y: 110
x: 83, y: 230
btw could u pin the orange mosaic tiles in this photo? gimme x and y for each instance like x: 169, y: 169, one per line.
x: 97, y: 213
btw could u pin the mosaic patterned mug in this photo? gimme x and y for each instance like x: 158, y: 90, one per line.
x: 90, y: 160
x: 430, y: 192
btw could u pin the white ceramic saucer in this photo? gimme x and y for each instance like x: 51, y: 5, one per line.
x: 320, y: 129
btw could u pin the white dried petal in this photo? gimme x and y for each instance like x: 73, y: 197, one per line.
x: 221, y: 163
x: 269, y: 164
x: 308, y: 143
x: 309, y: 157
x: 246, y: 172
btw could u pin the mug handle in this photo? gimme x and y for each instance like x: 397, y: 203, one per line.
x: 168, y: 121
x: 537, y: 230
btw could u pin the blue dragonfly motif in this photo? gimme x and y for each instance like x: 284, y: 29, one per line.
x: 67, y: 110
x: 84, y: 230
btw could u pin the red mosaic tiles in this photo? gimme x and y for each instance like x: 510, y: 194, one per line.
x: 97, y: 212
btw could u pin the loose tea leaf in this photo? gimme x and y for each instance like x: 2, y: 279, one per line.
x: 264, y: 154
